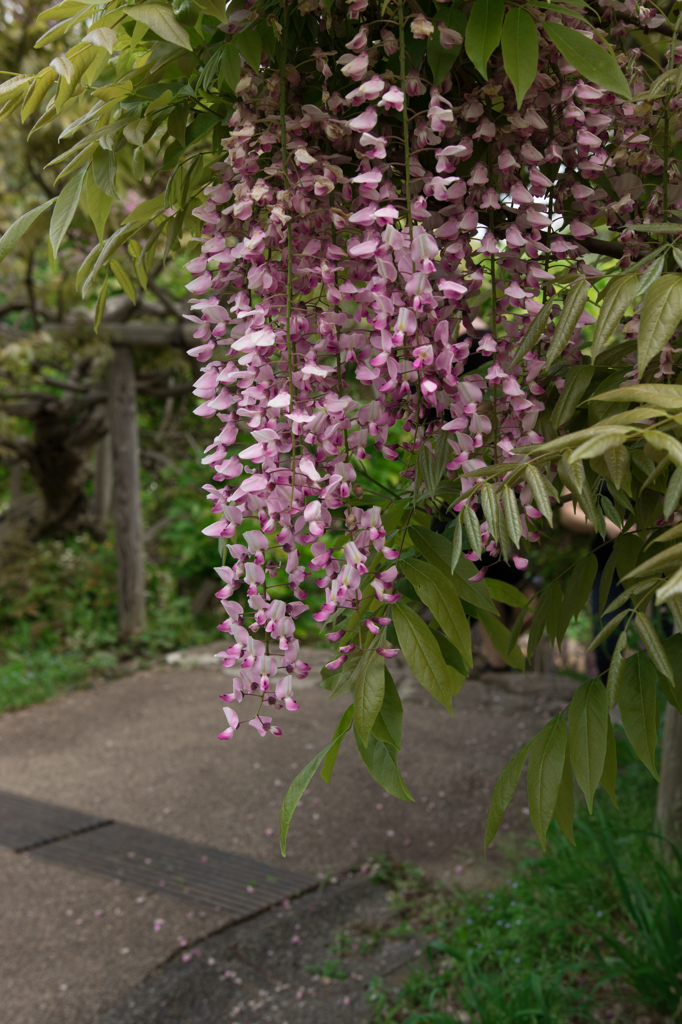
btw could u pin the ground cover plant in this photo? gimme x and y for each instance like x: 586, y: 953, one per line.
x: 592, y: 932
x: 374, y: 176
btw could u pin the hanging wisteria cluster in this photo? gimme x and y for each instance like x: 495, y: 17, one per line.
x: 357, y: 238
x: 438, y: 293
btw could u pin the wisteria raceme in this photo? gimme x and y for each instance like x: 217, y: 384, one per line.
x: 358, y: 239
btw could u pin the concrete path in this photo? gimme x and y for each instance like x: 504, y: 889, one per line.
x: 142, y: 750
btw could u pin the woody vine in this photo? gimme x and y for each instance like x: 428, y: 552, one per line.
x: 356, y: 182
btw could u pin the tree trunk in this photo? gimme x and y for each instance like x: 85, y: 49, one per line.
x: 104, y: 481
x: 669, y: 802
x: 126, y: 493
x: 63, y: 436
x: 16, y: 471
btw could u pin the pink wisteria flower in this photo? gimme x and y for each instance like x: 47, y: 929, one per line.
x: 327, y: 260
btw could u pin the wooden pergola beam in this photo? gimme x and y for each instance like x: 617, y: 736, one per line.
x: 132, y: 332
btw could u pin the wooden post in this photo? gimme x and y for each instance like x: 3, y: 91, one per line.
x: 669, y: 801
x: 104, y: 482
x: 15, y: 481
x: 126, y: 505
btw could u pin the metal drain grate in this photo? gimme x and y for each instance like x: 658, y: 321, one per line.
x: 26, y: 823
x: 190, y: 871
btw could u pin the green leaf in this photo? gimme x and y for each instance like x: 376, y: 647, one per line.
x: 673, y: 492
x: 578, y: 380
x: 617, y: 462
x: 651, y: 274
x: 534, y: 332
x: 250, y: 46
x: 675, y: 608
x: 504, y: 790
x: 161, y: 20
x: 388, y: 725
x: 103, y: 254
x: 440, y: 596
x: 511, y: 514
x: 101, y: 301
x: 661, y: 313
x: 475, y: 593
x: 656, y: 228
x: 231, y: 65
x: 638, y: 708
x: 673, y: 649
x: 545, y: 771
x: 368, y: 695
x: 615, y: 299
x: 202, y: 124
x: 577, y: 592
x: 422, y: 653
x: 573, y: 308
x: 564, y: 809
x: 381, y: 760
x: 426, y: 464
x: 342, y: 680
x: 456, y: 545
x: 104, y: 171
x: 587, y: 718
x: 434, y: 547
x: 138, y: 163
x: 610, y: 773
x: 16, y: 231
x: 177, y: 122
x: 442, y: 452
x: 520, y: 51
x: 333, y: 749
x: 441, y: 60
x: 216, y: 8
x: 506, y: 593
x: 672, y: 695
x: 123, y: 278
x: 64, y: 210
x: 607, y: 630
x: 665, y: 443
x: 451, y: 655
x: 593, y: 62
x: 500, y: 638
x: 99, y: 204
x: 86, y: 266
x: 663, y: 396
x: 490, y: 503
x: 147, y: 210
x: 601, y: 441
x: 538, y: 486
x: 135, y: 131
x: 483, y: 32
x: 294, y: 794
x: 473, y: 529
x: 653, y: 645
x: 35, y: 95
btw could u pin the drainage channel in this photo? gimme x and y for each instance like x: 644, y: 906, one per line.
x: 189, y: 871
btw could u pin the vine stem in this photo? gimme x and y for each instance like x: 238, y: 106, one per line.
x: 408, y: 189
x: 493, y: 325
x: 285, y: 172
x: 666, y: 117
x: 406, y: 122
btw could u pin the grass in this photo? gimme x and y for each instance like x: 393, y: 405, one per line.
x: 58, y: 621
x: 591, y: 933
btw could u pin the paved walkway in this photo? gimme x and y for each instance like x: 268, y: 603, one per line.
x: 142, y: 750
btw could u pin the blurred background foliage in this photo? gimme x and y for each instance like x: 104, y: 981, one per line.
x: 58, y: 615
